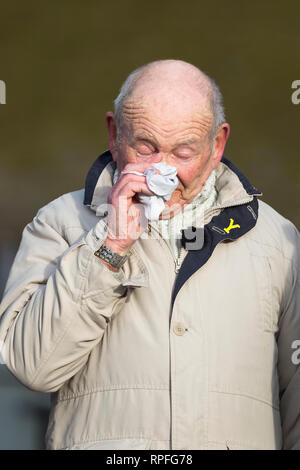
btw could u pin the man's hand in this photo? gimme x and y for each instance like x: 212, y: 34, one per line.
x: 126, y: 219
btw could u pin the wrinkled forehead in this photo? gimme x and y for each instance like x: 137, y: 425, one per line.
x: 171, y: 111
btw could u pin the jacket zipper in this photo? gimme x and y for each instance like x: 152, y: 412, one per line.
x: 179, y: 260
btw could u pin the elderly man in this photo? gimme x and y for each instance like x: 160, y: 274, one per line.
x: 148, y: 341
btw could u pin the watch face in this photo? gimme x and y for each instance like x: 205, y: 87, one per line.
x: 110, y: 257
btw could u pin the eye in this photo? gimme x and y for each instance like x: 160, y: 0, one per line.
x: 184, y: 152
x: 145, y: 148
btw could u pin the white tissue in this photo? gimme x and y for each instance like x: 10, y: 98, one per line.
x: 162, y: 184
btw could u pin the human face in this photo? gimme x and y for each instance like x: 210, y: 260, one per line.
x: 184, y: 141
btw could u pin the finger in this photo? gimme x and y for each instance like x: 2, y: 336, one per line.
x: 139, y: 166
x: 127, y: 178
x: 131, y: 188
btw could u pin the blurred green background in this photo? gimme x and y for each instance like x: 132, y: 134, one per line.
x: 64, y: 61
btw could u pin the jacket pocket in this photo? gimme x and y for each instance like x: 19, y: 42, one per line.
x: 114, y: 444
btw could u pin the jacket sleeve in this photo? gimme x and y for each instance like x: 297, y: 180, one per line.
x: 289, y: 349
x: 56, y: 305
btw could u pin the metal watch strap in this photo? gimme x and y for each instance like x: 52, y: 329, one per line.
x: 111, y: 257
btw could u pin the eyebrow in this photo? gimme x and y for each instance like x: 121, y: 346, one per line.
x: 151, y: 139
x: 186, y: 142
x: 146, y: 137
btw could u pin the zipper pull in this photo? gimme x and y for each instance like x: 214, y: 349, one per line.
x: 179, y: 260
x: 177, y: 266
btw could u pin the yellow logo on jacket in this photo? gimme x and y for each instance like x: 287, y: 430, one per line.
x: 231, y: 226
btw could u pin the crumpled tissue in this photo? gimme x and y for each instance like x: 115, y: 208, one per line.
x: 162, y: 184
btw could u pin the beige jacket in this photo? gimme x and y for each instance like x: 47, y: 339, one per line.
x: 149, y: 358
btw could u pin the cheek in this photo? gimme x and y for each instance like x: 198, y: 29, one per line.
x: 130, y: 155
x: 125, y: 156
x: 187, y: 175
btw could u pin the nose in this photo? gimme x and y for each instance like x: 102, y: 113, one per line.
x: 155, y: 158
x: 160, y: 157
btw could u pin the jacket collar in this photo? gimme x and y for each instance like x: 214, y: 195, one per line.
x: 99, y: 180
x: 232, y: 186
x: 236, y: 207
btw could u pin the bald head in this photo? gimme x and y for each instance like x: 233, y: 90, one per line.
x: 165, y: 83
x: 169, y: 111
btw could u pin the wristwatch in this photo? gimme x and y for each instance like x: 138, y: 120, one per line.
x: 111, y: 257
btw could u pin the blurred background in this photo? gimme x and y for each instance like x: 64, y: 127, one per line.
x: 63, y: 63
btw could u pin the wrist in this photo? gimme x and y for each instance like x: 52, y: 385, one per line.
x: 115, y: 247
x: 111, y: 258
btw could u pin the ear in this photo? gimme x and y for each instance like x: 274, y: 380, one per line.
x: 112, y: 133
x: 220, y: 143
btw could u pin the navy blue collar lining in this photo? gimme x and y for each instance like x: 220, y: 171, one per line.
x: 247, y: 185
x: 93, y: 176
x: 244, y: 215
